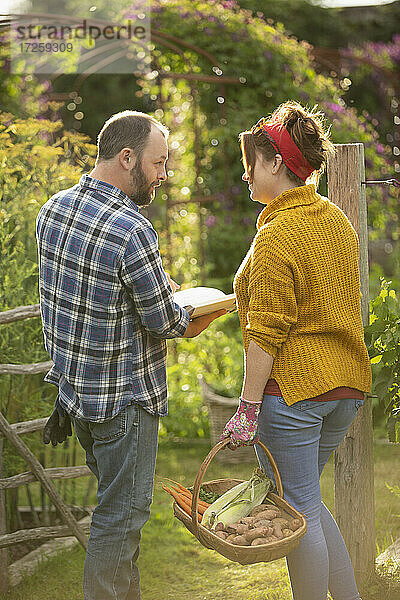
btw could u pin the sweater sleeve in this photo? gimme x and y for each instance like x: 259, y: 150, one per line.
x: 272, y: 306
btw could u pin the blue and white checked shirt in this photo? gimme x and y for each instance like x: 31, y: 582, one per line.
x: 106, y: 305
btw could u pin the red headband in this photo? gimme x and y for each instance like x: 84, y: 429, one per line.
x: 285, y: 146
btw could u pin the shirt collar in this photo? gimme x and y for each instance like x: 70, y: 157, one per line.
x: 106, y: 189
x: 299, y: 196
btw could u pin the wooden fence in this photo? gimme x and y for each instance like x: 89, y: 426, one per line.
x: 12, y: 433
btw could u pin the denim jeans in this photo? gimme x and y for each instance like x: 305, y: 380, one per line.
x: 121, y: 453
x: 301, y: 438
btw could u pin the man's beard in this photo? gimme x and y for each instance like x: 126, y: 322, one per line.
x: 142, y: 194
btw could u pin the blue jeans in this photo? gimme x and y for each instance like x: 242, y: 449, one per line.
x: 301, y: 438
x: 122, y: 454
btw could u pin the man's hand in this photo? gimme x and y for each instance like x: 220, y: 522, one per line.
x: 58, y: 426
x: 201, y: 323
x: 242, y: 427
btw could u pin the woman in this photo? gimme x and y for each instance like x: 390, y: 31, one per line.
x: 306, y: 363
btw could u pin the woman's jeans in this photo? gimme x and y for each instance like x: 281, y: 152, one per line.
x: 122, y: 455
x: 301, y: 438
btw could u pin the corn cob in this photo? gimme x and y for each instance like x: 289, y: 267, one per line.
x: 239, y: 501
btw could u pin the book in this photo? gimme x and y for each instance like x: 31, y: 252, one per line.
x: 200, y: 301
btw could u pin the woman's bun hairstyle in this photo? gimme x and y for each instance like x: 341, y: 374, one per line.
x: 307, y: 129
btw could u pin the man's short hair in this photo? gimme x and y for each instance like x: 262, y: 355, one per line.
x: 126, y: 129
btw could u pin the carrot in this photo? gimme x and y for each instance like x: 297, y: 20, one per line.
x: 182, y: 502
x: 182, y: 490
x: 190, y: 496
x: 181, y: 487
x: 200, y: 506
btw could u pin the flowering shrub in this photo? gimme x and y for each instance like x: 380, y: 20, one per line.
x: 37, y: 160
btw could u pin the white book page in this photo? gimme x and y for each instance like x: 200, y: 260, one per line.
x: 197, y: 296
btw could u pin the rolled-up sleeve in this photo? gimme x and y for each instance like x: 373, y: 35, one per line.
x: 272, y: 306
x: 143, y: 275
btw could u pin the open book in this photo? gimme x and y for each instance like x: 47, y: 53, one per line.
x: 200, y: 301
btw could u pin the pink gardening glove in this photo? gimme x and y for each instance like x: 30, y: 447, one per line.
x: 242, y: 427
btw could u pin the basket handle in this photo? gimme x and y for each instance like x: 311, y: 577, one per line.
x: 203, y: 468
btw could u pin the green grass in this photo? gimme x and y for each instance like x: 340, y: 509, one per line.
x: 174, y: 565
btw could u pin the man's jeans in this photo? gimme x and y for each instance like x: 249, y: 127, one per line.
x: 301, y: 438
x: 122, y: 455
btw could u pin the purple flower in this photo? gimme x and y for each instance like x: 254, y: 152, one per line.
x: 229, y: 4
x: 268, y: 55
x: 211, y: 221
x: 335, y: 107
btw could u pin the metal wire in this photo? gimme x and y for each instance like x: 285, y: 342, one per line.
x: 394, y: 182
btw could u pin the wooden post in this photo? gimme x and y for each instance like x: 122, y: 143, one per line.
x: 3, y: 530
x: 354, y: 462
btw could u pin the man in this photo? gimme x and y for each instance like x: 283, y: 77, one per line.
x: 107, y: 309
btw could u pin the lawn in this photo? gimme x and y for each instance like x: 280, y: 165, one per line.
x: 174, y: 565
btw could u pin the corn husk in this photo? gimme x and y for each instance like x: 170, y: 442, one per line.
x: 239, y: 501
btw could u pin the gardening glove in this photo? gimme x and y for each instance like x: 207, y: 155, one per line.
x: 242, y: 427
x: 58, y: 426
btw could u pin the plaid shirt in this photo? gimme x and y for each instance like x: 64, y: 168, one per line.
x: 106, y: 305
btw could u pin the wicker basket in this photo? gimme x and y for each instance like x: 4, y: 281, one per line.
x: 220, y: 410
x: 244, y: 555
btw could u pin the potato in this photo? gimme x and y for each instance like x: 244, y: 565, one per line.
x: 261, y: 523
x: 247, y: 521
x: 287, y: 532
x: 259, y: 541
x: 278, y: 532
x: 280, y: 521
x: 223, y: 535
x: 242, y: 528
x: 252, y: 534
x: 219, y: 527
x: 267, y: 514
x: 240, y: 540
x: 258, y: 509
x: 231, y: 528
x: 230, y: 537
x: 294, y: 524
x: 271, y: 507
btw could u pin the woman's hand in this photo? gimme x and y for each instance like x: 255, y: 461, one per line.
x: 242, y: 427
x: 175, y: 286
x: 198, y: 325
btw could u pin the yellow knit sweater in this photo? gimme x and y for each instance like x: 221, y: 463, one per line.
x: 298, y: 296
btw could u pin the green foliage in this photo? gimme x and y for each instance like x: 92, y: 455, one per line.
x: 37, y: 159
x: 330, y: 27
x: 217, y: 355
x: 382, y: 337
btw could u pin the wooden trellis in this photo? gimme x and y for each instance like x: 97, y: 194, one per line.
x: 37, y: 472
